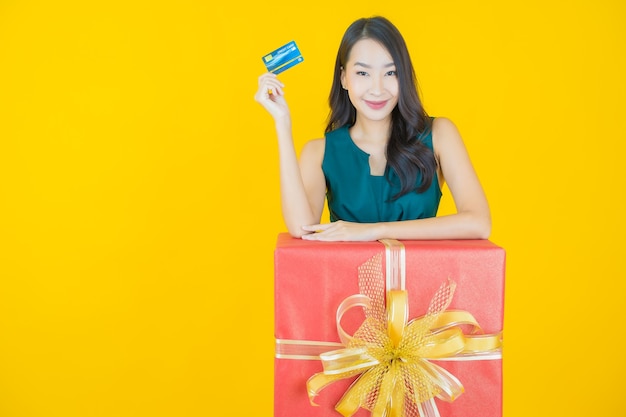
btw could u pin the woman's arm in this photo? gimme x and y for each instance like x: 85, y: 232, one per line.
x: 302, y: 188
x: 472, y: 219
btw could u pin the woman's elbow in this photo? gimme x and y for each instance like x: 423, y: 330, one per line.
x: 296, y: 231
x: 476, y: 225
x: 297, y: 234
x: 482, y: 228
x: 484, y: 233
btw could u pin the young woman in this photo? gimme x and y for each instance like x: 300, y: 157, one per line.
x: 382, y: 161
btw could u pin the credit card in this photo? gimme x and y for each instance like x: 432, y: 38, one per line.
x: 283, y: 58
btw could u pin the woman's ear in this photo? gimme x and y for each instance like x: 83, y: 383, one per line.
x: 343, y: 78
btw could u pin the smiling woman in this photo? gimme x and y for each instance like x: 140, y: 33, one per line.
x: 383, y: 160
x: 370, y: 79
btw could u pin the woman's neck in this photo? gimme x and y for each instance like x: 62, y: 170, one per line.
x: 371, y: 131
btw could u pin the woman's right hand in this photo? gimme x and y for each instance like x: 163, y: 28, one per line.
x: 271, y: 96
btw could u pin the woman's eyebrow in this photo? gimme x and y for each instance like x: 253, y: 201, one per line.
x: 361, y: 64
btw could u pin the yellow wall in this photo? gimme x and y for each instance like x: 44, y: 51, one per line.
x: 139, y: 200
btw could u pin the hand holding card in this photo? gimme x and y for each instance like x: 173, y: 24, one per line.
x: 283, y: 58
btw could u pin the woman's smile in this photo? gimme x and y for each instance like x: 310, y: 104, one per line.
x: 376, y: 105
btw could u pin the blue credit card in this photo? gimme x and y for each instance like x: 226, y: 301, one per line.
x: 283, y: 58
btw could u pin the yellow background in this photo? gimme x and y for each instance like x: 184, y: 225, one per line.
x: 139, y: 199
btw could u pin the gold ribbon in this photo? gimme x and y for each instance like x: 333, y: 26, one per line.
x: 392, y: 355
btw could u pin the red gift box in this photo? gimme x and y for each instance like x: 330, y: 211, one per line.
x: 313, y: 278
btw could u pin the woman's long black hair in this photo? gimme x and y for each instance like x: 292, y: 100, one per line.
x: 406, y: 154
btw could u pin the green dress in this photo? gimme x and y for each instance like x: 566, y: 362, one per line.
x: 356, y: 196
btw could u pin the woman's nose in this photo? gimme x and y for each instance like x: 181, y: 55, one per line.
x: 376, y: 86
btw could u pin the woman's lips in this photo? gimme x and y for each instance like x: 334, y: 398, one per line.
x: 376, y: 105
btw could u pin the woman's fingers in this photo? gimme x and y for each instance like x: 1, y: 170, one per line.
x: 269, y: 88
x: 268, y: 81
x: 320, y: 231
x: 270, y: 95
x: 317, y: 227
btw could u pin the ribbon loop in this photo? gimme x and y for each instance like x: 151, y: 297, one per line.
x: 397, y: 314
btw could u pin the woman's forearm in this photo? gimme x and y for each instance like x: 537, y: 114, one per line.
x: 295, y: 205
x: 464, y: 225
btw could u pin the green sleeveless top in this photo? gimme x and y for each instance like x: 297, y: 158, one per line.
x: 356, y: 196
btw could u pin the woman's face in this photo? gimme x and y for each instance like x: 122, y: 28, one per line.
x: 371, y: 80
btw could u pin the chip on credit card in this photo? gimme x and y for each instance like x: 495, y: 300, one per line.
x: 283, y: 58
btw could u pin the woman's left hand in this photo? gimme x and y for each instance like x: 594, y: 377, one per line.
x: 340, y: 231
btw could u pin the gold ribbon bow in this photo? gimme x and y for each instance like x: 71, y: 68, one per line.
x: 392, y: 355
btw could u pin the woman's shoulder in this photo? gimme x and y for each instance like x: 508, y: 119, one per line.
x: 315, y: 143
x: 442, y: 125
x: 314, y: 149
x: 334, y: 137
x: 444, y: 131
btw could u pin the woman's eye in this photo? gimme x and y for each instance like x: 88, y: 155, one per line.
x: 392, y: 73
x: 363, y: 73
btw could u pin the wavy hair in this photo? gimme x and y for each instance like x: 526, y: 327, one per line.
x: 406, y: 154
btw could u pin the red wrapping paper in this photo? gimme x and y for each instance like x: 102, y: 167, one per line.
x: 313, y: 278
